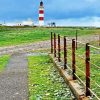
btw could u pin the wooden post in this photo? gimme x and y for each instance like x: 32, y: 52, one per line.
x: 76, y: 38
x: 65, y: 53
x: 87, y: 70
x: 59, y: 56
x: 99, y: 39
x: 51, y: 43
x: 73, y: 59
x: 54, y: 45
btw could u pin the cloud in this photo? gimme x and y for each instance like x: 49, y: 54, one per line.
x: 23, y: 22
x: 92, y: 1
x: 62, y: 9
x: 66, y: 11
x: 86, y: 21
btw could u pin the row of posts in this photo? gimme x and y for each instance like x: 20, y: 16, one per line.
x: 57, y: 53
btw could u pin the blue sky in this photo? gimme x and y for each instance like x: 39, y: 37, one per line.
x: 77, y: 12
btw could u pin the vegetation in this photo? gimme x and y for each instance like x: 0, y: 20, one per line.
x: 3, y: 62
x: 42, y: 77
x: 81, y: 67
x: 18, y: 35
x: 44, y: 81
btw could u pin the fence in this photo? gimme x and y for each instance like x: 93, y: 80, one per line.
x: 81, y: 61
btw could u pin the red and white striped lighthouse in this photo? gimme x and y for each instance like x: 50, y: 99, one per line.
x: 41, y: 14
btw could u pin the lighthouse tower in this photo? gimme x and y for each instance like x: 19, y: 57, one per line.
x: 41, y: 14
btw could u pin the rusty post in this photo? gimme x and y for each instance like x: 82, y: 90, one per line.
x: 99, y: 39
x: 87, y: 69
x: 54, y: 45
x: 51, y: 43
x: 59, y: 48
x: 65, y: 53
x: 73, y: 59
x: 76, y: 38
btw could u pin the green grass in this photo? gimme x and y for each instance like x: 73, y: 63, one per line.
x: 14, y: 36
x: 80, y: 65
x: 3, y: 61
x: 44, y: 81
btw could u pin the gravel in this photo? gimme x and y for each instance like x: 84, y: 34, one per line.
x: 25, y: 47
x: 42, y: 45
x: 14, y: 80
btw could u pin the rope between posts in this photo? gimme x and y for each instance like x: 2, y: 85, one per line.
x: 80, y: 80
x: 95, y: 65
x: 94, y: 47
x: 80, y: 70
x: 72, y: 56
x: 80, y: 42
x: 95, y: 82
x: 81, y: 57
x: 94, y: 94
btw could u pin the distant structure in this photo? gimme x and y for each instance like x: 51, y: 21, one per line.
x: 0, y: 24
x: 52, y: 24
x: 28, y: 22
x: 41, y: 14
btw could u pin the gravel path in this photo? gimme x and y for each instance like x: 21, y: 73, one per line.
x: 42, y: 44
x: 13, y: 81
x: 24, y: 47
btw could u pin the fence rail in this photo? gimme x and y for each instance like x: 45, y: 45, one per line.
x: 56, y: 48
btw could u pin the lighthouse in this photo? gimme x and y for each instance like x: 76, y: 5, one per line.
x: 41, y: 14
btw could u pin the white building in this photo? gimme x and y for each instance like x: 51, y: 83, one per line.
x: 28, y: 22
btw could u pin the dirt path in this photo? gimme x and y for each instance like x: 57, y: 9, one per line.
x: 24, y: 47
x: 13, y: 81
x: 87, y: 38
x: 40, y: 45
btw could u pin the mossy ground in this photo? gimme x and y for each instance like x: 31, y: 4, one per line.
x: 45, y: 82
x: 81, y: 67
x: 3, y: 61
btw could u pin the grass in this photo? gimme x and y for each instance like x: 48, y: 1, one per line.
x: 14, y: 36
x: 3, y: 61
x: 42, y: 65
x: 44, y: 81
x: 81, y: 67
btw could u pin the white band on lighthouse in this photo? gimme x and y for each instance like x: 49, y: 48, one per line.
x: 41, y: 23
x: 41, y: 15
x: 41, y: 8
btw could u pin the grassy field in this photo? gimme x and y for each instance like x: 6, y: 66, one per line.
x: 3, y: 61
x: 45, y: 82
x: 13, y: 36
x: 40, y: 80
x: 40, y: 67
x: 81, y: 67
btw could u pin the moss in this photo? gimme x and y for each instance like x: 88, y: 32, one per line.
x: 3, y: 61
x: 44, y: 81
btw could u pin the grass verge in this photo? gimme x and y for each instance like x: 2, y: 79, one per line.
x: 81, y: 67
x: 45, y: 82
x: 3, y: 61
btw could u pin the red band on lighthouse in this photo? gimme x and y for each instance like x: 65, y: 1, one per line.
x: 41, y: 11
x: 41, y: 18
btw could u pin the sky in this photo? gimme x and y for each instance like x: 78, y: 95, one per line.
x: 63, y: 12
